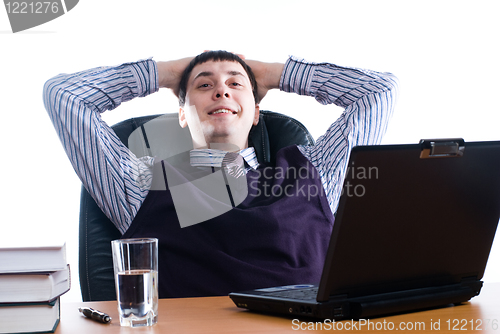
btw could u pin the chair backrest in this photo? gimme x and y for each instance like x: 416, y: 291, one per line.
x: 273, y: 132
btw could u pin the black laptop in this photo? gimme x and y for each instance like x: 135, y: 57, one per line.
x: 413, y: 230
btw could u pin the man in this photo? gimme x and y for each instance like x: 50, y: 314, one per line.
x: 262, y: 240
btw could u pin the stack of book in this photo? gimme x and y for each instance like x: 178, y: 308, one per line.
x: 32, y: 279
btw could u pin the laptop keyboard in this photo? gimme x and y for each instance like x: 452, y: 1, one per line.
x: 302, y: 294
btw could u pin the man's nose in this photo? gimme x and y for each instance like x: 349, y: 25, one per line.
x: 221, y: 91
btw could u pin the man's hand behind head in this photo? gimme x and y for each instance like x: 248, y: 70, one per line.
x: 267, y: 75
x: 170, y: 73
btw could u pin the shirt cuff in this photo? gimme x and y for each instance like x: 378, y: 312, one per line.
x: 145, y: 73
x: 297, y: 76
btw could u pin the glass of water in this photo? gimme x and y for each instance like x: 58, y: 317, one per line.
x: 135, y: 264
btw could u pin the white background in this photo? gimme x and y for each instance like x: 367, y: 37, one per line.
x: 445, y: 53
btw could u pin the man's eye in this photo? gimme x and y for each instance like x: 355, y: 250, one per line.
x: 203, y: 86
x: 235, y: 84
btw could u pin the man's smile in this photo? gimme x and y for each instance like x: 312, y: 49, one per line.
x: 223, y: 111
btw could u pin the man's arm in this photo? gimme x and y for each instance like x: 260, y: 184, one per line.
x: 368, y: 99
x: 116, y: 179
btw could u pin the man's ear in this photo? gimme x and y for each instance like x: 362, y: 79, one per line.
x: 257, y: 112
x: 182, y: 117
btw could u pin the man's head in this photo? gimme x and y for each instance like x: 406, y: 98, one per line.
x: 218, y: 100
x: 214, y: 56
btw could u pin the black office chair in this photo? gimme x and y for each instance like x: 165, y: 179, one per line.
x: 96, y: 231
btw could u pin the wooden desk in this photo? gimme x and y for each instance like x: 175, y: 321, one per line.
x: 219, y: 315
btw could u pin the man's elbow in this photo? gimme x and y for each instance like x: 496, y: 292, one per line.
x: 50, y: 89
x: 391, y: 83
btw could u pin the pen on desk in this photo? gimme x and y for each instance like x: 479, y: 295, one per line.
x: 95, y: 315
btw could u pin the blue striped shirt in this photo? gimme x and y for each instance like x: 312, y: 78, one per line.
x: 119, y: 181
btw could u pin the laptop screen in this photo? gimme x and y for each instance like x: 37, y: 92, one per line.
x: 409, y: 219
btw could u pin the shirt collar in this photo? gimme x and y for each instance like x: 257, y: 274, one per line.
x: 213, y: 158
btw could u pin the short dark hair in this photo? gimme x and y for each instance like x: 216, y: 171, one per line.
x: 219, y: 55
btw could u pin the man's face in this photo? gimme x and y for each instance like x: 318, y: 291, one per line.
x: 220, y: 107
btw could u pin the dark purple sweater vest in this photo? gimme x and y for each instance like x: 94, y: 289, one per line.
x: 267, y: 240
